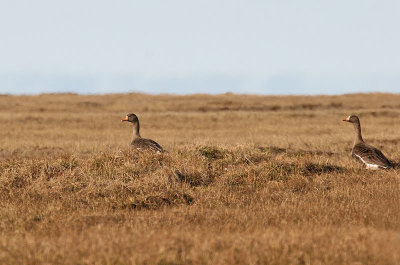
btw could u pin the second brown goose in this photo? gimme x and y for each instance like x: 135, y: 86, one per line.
x: 138, y: 142
x: 369, y: 155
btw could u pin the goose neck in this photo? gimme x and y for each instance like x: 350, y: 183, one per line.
x: 136, y: 133
x: 357, y: 129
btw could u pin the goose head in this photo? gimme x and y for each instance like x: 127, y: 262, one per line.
x: 352, y: 119
x: 131, y: 118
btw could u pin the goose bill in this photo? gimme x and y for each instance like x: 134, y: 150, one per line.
x: 125, y: 119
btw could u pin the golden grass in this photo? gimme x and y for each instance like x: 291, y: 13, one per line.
x: 247, y: 180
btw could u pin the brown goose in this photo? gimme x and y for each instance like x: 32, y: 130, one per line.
x: 138, y: 142
x: 369, y: 155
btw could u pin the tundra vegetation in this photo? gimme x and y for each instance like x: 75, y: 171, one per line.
x: 246, y: 180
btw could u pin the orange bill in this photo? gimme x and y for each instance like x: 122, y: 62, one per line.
x: 125, y: 119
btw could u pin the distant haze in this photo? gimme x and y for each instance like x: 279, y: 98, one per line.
x: 254, y: 46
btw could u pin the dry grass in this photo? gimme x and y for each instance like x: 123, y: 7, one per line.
x: 247, y: 180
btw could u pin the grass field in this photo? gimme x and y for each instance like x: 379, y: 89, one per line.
x: 246, y: 180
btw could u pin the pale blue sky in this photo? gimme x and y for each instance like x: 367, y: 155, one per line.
x: 183, y: 46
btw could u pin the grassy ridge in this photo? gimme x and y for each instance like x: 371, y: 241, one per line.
x: 243, y: 182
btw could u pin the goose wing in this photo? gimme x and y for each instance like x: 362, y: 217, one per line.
x: 147, y: 144
x: 370, y: 156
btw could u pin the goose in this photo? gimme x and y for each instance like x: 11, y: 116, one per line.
x: 369, y: 155
x: 138, y: 142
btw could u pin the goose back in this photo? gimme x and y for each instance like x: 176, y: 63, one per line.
x: 146, y: 144
x: 370, y: 156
